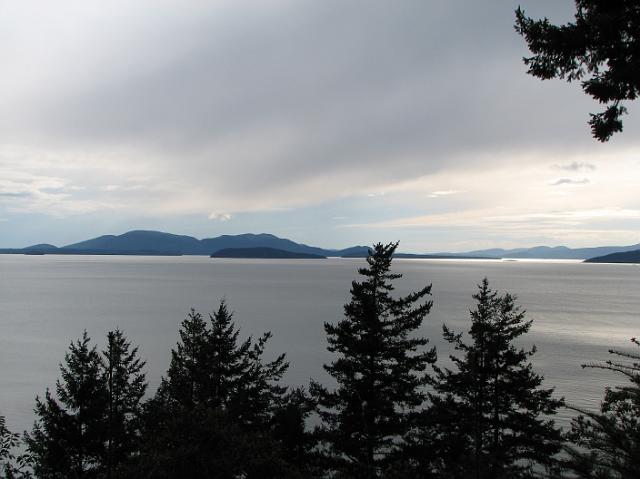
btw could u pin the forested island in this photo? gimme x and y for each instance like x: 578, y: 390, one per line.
x: 263, y: 253
x: 395, y: 410
x: 626, y: 257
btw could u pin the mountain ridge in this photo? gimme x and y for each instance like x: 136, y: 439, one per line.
x: 161, y: 243
x: 632, y: 257
x: 151, y: 242
x: 550, y: 252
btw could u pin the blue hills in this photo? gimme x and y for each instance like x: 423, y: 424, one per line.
x: 557, y: 252
x: 621, y: 257
x: 143, y: 242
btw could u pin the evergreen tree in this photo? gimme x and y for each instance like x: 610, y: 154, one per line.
x: 608, y: 442
x: 187, y: 379
x: 489, y: 415
x: 229, y: 359
x: 68, y: 438
x: 257, y: 392
x: 290, y: 430
x: 380, y: 372
x: 213, y: 369
x: 8, y: 441
x: 601, y: 49
x: 213, y: 414
x: 126, y: 386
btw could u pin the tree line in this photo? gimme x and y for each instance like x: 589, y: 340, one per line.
x: 394, y: 410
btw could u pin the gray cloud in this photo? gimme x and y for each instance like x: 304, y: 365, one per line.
x: 569, y: 181
x: 576, y: 166
x: 290, y: 101
x: 16, y: 194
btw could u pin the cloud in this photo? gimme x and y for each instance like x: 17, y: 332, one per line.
x: 220, y: 216
x: 275, y: 105
x: 569, y: 181
x: 238, y: 108
x: 15, y: 194
x: 576, y: 166
x: 488, y: 218
x: 436, y: 194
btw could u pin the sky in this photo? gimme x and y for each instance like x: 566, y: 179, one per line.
x: 333, y: 123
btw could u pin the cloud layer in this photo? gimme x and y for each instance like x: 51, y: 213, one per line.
x: 218, y: 109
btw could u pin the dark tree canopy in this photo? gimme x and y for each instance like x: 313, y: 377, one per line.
x: 601, y: 49
x: 89, y: 427
x: 68, y: 439
x: 212, y: 368
x: 8, y: 441
x: 213, y: 414
x: 126, y: 386
x: 609, y: 440
x: 380, y: 370
x: 490, y: 416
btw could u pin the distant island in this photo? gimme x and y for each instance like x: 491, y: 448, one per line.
x: 625, y: 257
x: 549, y: 252
x: 157, y: 243
x: 427, y: 256
x: 263, y: 253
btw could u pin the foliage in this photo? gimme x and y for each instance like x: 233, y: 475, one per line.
x: 290, y: 431
x: 213, y: 414
x: 10, y: 465
x: 489, y: 414
x: 212, y: 369
x: 8, y: 441
x: 67, y: 441
x: 601, y: 49
x: 608, y: 441
x: 203, y: 442
x: 126, y: 386
x: 89, y: 428
x: 380, y: 372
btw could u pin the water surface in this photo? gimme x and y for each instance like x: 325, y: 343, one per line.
x: 579, y: 311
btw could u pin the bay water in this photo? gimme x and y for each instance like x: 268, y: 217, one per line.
x: 579, y: 311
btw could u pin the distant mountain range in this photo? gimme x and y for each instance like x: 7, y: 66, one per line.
x: 547, y: 252
x: 141, y: 242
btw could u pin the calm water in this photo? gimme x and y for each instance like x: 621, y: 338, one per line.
x: 579, y: 311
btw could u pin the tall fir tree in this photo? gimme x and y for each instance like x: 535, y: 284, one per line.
x: 211, y: 368
x: 187, y: 377
x: 380, y: 372
x: 607, y: 443
x: 212, y: 416
x: 68, y: 438
x: 228, y: 357
x: 489, y: 417
x: 90, y: 429
x: 126, y: 385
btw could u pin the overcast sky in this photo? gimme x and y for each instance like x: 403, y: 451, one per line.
x: 329, y: 122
